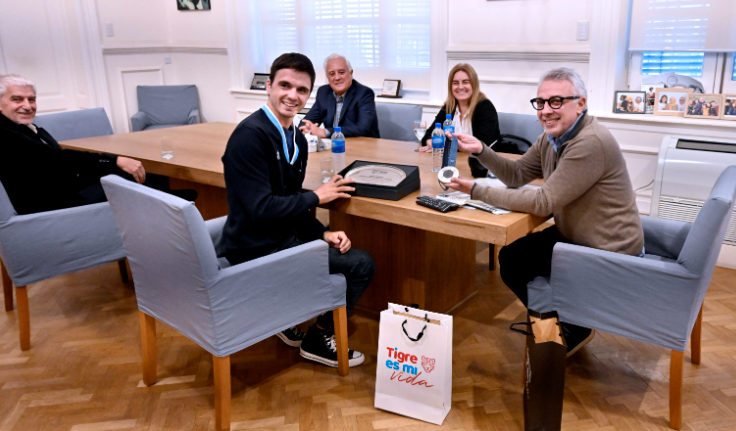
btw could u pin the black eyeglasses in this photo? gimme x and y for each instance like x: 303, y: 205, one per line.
x: 555, y: 102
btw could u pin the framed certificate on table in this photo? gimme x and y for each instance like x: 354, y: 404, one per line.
x: 382, y: 180
x: 391, y: 88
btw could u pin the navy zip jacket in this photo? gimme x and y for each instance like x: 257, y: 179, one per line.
x: 358, y: 116
x: 268, y: 208
x: 39, y: 175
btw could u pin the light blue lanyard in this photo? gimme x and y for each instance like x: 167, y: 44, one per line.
x: 276, y: 123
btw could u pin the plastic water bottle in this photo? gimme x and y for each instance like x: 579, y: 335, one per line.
x: 447, y: 125
x: 438, y: 147
x: 338, y: 150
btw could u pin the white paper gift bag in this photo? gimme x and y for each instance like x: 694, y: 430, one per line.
x: 414, y: 366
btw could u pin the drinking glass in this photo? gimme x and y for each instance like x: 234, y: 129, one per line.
x: 328, y: 171
x: 167, y: 147
x: 420, y: 128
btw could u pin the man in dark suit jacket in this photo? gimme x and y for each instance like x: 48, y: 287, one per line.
x: 36, y: 172
x: 344, y: 103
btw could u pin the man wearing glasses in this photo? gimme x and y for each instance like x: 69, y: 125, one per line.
x: 586, y: 187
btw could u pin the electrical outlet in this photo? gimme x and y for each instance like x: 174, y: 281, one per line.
x: 583, y: 30
x: 109, y: 30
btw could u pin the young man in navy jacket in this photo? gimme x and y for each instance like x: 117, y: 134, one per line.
x: 265, y: 164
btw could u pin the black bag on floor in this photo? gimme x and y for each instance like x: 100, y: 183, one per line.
x: 544, y: 376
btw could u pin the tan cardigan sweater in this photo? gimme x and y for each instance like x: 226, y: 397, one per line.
x: 586, y: 187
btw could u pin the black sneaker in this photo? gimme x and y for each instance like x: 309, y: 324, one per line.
x: 576, y: 337
x: 319, y: 346
x: 293, y: 337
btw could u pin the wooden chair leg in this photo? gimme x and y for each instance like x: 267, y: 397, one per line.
x: 24, y: 318
x: 123, y: 270
x: 340, y: 317
x: 222, y: 392
x: 492, y: 256
x: 7, y: 287
x: 523, y: 367
x: 148, y: 347
x: 695, y: 338
x: 676, y: 361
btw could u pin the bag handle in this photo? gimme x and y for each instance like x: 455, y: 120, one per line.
x: 419, y: 336
x: 521, y: 331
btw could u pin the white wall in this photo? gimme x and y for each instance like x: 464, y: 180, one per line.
x: 47, y: 52
x: 146, y: 36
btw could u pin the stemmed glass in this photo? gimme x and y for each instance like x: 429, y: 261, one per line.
x: 420, y: 128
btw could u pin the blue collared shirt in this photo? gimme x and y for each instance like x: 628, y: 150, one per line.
x: 569, y: 134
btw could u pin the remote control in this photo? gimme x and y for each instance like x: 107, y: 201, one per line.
x: 436, y: 204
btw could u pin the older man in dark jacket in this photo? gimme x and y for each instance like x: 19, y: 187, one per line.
x: 344, y: 103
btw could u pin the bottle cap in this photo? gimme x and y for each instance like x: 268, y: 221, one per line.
x: 337, y: 129
x: 448, y: 116
x: 437, y: 125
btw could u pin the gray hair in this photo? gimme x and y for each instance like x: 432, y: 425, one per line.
x: 334, y: 57
x: 566, y: 74
x: 13, y: 79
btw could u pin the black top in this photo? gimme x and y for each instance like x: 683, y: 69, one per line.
x: 484, y: 122
x: 39, y: 175
x: 267, y: 206
x: 358, y: 116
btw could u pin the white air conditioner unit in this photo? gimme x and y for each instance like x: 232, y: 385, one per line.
x: 687, y: 169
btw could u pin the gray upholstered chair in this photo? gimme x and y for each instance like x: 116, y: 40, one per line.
x: 224, y: 309
x: 657, y: 299
x: 35, y: 247
x: 396, y: 121
x: 163, y: 106
x: 85, y: 123
x: 522, y: 125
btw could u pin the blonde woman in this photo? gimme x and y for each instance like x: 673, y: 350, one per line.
x: 472, y: 112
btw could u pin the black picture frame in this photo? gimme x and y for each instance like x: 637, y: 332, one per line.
x: 259, y: 81
x: 626, y: 106
x: 194, y: 4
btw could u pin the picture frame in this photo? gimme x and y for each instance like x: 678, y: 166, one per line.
x: 629, y: 102
x: 194, y: 4
x: 701, y: 105
x: 259, y: 81
x: 391, y: 88
x: 674, y: 101
x: 729, y: 112
x: 651, y: 90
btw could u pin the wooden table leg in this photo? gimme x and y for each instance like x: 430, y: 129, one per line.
x: 413, y: 266
x: 7, y: 287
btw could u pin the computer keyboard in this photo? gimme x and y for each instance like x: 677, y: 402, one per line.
x: 436, y: 204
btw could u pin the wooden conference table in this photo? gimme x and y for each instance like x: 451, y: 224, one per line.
x: 422, y: 256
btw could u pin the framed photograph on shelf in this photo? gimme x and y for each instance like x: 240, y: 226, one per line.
x: 651, y: 90
x: 629, y: 102
x: 391, y: 88
x: 259, y: 81
x: 671, y: 101
x: 704, y: 106
x: 729, y: 107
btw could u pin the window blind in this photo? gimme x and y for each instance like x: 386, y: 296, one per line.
x: 682, y: 63
x: 372, y: 34
x: 683, y: 25
x: 733, y: 75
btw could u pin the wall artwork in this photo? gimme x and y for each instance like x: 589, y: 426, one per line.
x: 193, y: 4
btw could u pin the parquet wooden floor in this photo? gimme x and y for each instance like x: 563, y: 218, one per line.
x: 83, y: 371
